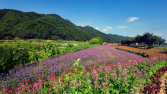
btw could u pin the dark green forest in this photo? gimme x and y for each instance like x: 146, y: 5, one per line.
x: 31, y: 25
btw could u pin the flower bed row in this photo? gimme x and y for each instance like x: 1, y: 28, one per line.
x: 139, y: 51
x: 129, y: 76
x: 142, y: 47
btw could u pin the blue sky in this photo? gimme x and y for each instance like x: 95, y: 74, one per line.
x: 121, y: 17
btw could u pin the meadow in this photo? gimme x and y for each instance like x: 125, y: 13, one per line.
x: 95, y: 70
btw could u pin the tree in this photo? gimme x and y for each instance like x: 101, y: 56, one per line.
x: 96, y: 40
x: 145, y: 38
x: 138, y: 39
x: 161, y: 41
x: 21, y: 33
x: 153, y: 40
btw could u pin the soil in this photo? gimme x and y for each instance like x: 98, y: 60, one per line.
x: 163, y: 79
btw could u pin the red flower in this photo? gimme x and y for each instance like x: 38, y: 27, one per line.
x: 14, y: 88
x: 38, y: 77
x: 77, y: 72
x: 80, y: 69
x: 42, y: 76
x: 22, y: 80
x: 24, y: 90
x: 26, y: 82
x: 17, y: 85
x: 62, y: 80
x: 51, y: 75
x: 10, y: 91
x: 61, y: 76
x: 28, y: 79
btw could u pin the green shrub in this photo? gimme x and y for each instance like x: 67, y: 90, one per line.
x: 100, y: 40
x: 16, y: 39
x: 96, y: 40
x: 70, y: 45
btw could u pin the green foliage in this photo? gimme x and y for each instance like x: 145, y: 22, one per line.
x: 32, y: 25
x: 146, y: 38
x: 19, y: 55
x: 15, y: 39
x: 70, y: 45
x: 100, y: 40
x: 96, y: 40
x: 14, y: 56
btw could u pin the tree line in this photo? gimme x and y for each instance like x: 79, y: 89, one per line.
x: 146, y: 39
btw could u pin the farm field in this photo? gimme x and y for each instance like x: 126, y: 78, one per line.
x: 159, y: 49
x: 120, y: 67
x: 22, y: 53
x: 38, y: 42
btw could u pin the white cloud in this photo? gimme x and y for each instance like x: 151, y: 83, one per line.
x: 131, y: 19
x: 105, y: 29
x: 109, y: 27
x: 121, y: 26
x: 97, y: 28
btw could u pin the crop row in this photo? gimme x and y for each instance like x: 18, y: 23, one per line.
x: 139, y: 51
x: 14, y: 56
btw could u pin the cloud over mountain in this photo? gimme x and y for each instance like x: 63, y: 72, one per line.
x: 131, y: 19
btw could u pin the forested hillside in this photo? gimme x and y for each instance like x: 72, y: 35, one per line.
x: 110, y: 38
x: 31, y: 25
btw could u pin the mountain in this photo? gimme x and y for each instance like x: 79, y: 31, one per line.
x: 109, y: 38
x: 31, y: 25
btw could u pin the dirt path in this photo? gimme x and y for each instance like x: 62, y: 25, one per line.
x: 163, y: 79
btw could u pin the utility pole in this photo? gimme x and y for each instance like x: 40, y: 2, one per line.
x: 154, y: 31
x: 154, y: 34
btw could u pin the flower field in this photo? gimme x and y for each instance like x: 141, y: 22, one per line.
x: 100, y: 70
